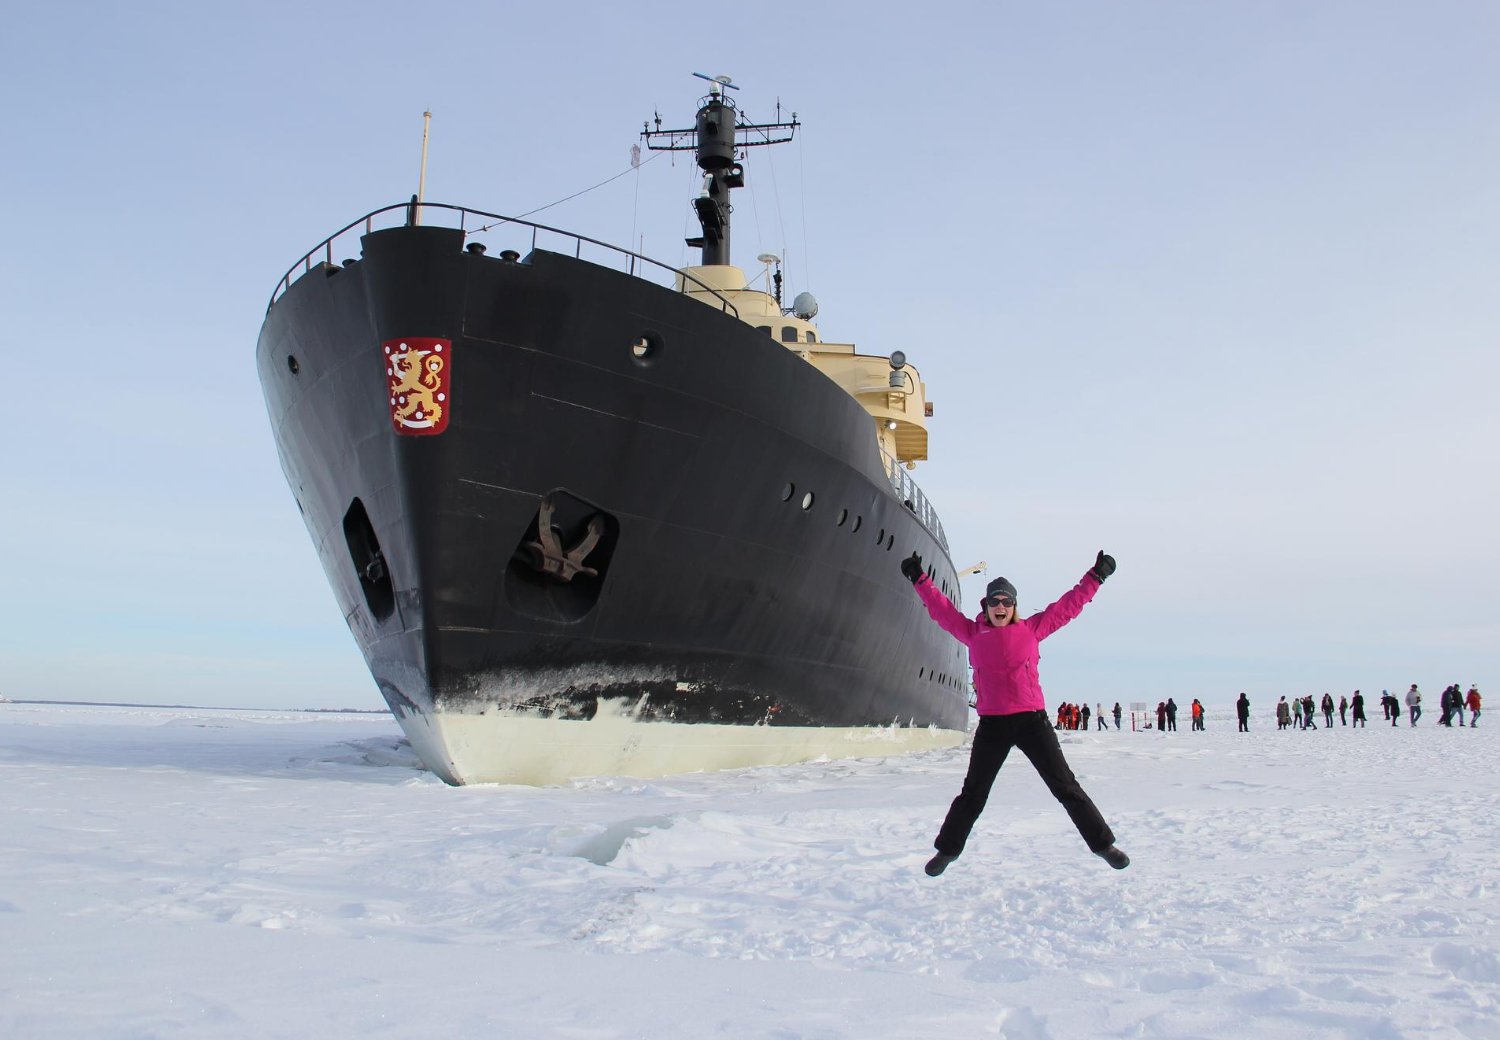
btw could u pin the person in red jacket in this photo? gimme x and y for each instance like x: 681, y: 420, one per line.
x: 1473, y: 702
x: 1003, y: 651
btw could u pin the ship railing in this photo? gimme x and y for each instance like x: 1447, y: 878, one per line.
x: 477, y: 221
x: 912, y: 498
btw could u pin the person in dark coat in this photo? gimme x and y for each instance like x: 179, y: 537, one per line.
x: 1161, y: 716
x: 1242, y: 709
x: 1343, y: 710
x: 1308, y: 708
x: 1455, y: 704
x: 1003, y: 651
x: 1171, y: 715
x: 1327, y: 706
x: 1083, y: 718
x: 1358, y: 704
x: 1117, y: 715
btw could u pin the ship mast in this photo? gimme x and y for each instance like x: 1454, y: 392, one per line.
x: 716, y: 137
x: 416, y: 209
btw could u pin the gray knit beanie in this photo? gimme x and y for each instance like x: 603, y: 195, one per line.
x: 1000, y: 587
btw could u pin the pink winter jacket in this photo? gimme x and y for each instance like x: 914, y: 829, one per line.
x: 1005, y: 658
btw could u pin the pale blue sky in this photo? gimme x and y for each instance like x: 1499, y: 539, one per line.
x: 1211, y: 285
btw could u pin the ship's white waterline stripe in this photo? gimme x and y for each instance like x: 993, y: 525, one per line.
x: 517, y: 749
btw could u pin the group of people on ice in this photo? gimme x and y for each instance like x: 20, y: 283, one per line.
x: 1301, y: 713
x: 1076, y: 716
x: 1298, y: 712
x: 1166, y: 715
x: 1453, y: 703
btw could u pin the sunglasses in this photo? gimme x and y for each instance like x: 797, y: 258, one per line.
x: 999, y: 601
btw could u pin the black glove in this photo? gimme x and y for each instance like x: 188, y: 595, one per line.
x: 912, y: 568
x: 1104, y: 566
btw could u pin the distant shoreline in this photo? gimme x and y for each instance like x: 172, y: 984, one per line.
x: 199, y: 707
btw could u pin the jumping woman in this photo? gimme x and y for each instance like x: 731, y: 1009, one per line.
x: 1003, y: 651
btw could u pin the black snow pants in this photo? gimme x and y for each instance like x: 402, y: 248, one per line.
x: 1030, y: 732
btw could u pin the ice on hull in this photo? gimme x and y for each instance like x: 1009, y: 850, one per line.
x: 517, y: 748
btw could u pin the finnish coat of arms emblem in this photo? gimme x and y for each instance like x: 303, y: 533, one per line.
x: 419, y: 374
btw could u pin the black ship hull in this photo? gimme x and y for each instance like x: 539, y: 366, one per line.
x: 647, y: 538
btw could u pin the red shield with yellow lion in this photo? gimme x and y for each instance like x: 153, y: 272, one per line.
x: 418, y: 374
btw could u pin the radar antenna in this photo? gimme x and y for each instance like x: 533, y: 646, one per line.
x: 717, y: 137
x: 722, y: 81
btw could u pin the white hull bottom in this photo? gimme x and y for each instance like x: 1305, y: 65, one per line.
x: 523, y: 749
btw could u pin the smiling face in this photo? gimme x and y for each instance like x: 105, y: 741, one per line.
x: 1000, y: 610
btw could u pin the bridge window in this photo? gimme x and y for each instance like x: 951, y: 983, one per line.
x: 788, y: 334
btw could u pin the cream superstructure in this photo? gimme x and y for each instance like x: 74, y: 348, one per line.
x: 896, y: 399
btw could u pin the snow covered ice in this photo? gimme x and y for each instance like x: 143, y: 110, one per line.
x: 202, y: 873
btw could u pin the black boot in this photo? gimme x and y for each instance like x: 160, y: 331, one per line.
x: 937, y: 864
x: 1114, y: 857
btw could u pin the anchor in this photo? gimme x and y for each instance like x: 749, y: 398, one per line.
x: 547, y: 553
